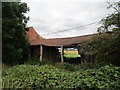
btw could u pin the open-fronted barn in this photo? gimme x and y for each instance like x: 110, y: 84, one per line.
x: 38, y: 49
x: 47, y: 49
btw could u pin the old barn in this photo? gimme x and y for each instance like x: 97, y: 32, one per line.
x: 47, y: 49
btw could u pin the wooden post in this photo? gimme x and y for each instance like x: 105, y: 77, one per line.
x: 41, y: 52
x: 62, y: 53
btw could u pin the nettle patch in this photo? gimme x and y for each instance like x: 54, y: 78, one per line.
x: 47, y: 76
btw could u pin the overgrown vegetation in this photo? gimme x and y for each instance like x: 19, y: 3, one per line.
x: 68, y: 66
x: 103, y: 50
x: 106, y: 46
x: 112, y: 21
x: 15, y: 44
x: 47, y: 76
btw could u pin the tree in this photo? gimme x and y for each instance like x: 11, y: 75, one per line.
x: 111, y: 22
x: 106, y: 46
x: 14, y: 40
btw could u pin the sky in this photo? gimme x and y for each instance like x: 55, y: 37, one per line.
x: 49, y: 16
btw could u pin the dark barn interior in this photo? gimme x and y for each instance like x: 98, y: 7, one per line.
x: 47, y: 49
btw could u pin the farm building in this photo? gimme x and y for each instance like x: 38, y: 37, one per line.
x: 47, y: 49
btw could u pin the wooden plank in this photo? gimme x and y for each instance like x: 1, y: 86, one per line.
x: 62, y: 53
x: 41, y: 52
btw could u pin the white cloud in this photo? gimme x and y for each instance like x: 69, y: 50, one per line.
x: 48, y: 16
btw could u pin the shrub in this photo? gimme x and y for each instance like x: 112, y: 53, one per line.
x: 105, y: 77
x: 28, y: 76
x: 104, y: 47
x: 36, y: 61
x: 65, y: 66
x: 32, y: 61
x: 90, y: 65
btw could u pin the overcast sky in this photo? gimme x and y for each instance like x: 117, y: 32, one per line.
x: 47, y: 16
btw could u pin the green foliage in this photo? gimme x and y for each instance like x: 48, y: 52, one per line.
x: 36, y: 61
x: 65, y: 66
x: 112, y: 21
x: 14, y: 40
x: 89, y: 65
x: 105, y: 47
x: 28, y: 76
x: 105, y: 77
x: 32, y: 61
x: 47, y: 76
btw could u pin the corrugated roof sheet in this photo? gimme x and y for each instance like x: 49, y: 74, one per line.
x: 57, y: 42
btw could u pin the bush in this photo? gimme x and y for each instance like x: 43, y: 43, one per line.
x: 90, y: 65
x: 65, y: 66
x: 105, y: 77
x: 36, y: 61
x: 104, y: 47
x: 28, y: 76
x: 47, y: 76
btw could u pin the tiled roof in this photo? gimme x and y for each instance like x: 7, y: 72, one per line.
x: 62, y: 41
x: 33, y: 35
x: 35, y: 39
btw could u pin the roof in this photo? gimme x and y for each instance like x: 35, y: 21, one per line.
x: 33, y: 35
x: 35, y: 39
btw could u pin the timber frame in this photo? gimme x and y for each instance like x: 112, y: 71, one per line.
x: 46, y: 48
x: 41, y: 52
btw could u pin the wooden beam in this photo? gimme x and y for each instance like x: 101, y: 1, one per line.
x: 41, y: 52
x: 62, y: 53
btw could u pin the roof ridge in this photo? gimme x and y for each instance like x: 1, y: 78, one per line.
x: 73, y: 37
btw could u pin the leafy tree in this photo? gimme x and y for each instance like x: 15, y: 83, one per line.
x: 106, y: 46
x: 111, y: 22
x: 14, y: 29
